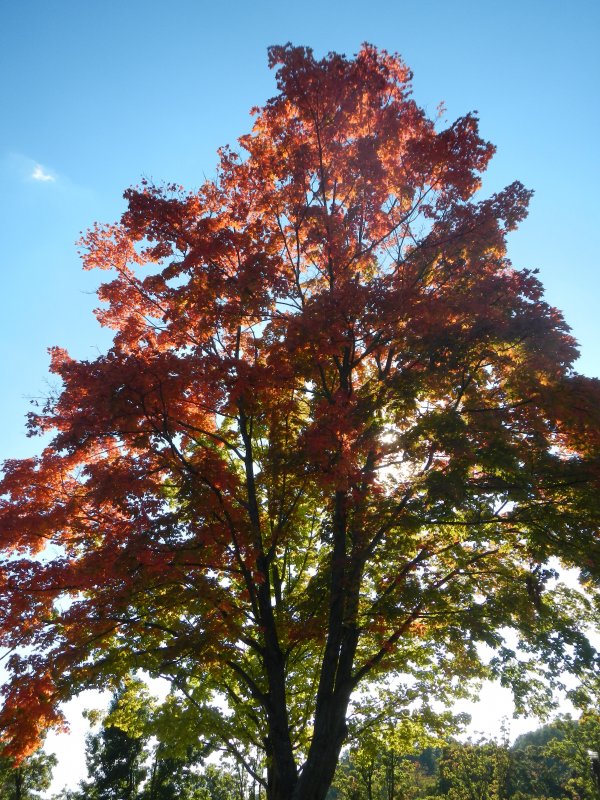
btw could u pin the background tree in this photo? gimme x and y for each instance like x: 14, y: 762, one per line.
x: 395, y: 760
x: 29, y: 780
x: 550, y: 762
x: 381, y: 774
x: 337, y: 441
x: 571, y: 748
x: 116, y: 755
x: 126, y: 761
x: 172, y: 778
x: 474, y: 771
x: 534, y: 771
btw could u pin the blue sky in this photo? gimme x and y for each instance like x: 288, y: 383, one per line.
x: 95, y: 95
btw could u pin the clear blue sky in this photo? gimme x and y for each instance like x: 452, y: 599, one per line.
x: 94, y: 95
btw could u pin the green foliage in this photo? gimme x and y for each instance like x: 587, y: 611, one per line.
x: 386, y: 775
x: 572, y: 749
x: 29, y: 779
x: 392, y: 761
x: 550, y: 763
x: 115, y: 760
x: 474, y: 771
x: 410, y: 759
x: 179, y: 779
x: 135, y: 755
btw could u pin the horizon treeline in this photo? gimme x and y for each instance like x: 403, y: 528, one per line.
x: 132, y: 755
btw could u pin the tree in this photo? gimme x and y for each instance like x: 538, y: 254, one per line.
x: 116, y: 754
x: 474, y: 771
x: 336, y: 442
x: 572, y: 748
x: 534, y: 770
x: 378, y: 774
x: 125, y: 761
x: 29, y: 779
x: 394, y: 762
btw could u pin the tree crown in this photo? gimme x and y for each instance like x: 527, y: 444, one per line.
x: 337, y: 438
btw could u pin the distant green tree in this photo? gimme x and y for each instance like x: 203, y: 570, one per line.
x: 474, y: 771
x: 115, y: 760
x: 219, y: 783
x: 535, y: 770
x: 135, y: 755
x: 540, y: 737
x: 174, y: 778
x: 116, y: 755
x: 573, y: 749
x: 392, y: 762
x: 29, y: 779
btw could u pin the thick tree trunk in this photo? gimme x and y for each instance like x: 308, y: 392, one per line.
x: 335, y: 682
x: 282, y: 773
x: 18, y: 775
x: 329, y: 735
x: 282, y: 770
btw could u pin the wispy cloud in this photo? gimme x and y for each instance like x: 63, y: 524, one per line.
x: 40, y: 174
x: 32, y: 176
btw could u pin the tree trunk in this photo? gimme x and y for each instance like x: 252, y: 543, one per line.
x: 320, y: 766
x: 18, y: 773
x: 335, y: 683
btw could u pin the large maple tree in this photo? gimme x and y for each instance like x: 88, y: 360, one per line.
x: 333, y: 449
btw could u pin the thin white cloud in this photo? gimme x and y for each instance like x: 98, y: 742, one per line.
x: 22, y: 169
x: 39, y: 174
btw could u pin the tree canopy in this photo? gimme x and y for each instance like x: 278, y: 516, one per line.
x: 336, y: 448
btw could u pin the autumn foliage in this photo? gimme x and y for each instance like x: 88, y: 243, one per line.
x: 336, y: 441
